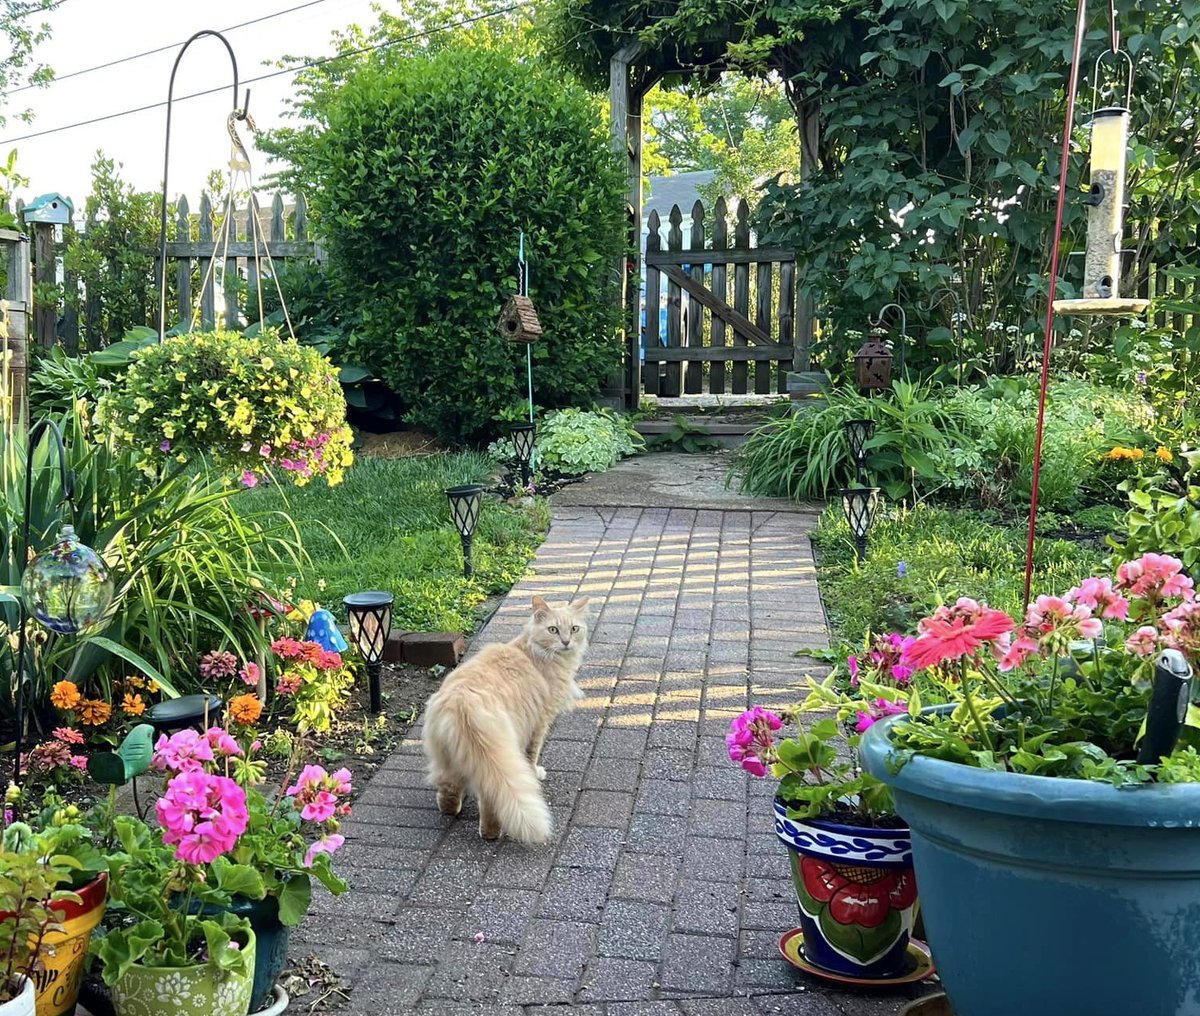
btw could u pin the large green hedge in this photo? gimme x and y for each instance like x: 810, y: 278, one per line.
x: 427, y: 170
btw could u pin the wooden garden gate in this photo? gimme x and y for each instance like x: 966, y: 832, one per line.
x: 708, y: 341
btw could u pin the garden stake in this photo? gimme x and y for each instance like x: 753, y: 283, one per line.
x: 877, y: 322
x: 523, y: 290
x: 1103, y: 217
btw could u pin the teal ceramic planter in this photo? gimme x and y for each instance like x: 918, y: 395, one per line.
x: 1050, y: 897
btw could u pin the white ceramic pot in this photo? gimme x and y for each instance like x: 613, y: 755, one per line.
x: 25, y: 1004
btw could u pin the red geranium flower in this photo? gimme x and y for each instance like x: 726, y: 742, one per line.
x: 861, y: 896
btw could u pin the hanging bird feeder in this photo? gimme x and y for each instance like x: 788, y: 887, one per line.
x: 1106, y: 211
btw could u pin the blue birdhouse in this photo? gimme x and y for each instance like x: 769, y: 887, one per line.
x: 323, y: 630
x: 53, y: 209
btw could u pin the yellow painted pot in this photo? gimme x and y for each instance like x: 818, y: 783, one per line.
x: 64, y: 952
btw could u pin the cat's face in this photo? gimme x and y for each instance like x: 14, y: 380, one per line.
x: 559, y: 629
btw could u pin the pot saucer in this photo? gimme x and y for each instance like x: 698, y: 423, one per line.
x: 791, y: 945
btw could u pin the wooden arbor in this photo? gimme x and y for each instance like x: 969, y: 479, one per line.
x: 633, y: 71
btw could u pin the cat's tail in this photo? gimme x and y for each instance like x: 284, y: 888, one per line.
x: 485, y: 752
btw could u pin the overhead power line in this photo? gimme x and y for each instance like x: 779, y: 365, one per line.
x: 158, y: 49
x: 266, y: 77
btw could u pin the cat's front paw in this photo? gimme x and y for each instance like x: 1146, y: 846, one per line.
x: 541, y: 773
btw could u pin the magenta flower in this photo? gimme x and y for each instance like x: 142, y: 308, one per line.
x: 250, y: 674
x: 319, y: 807
x: 202, y: 815
x: 749, y: 739
x: 265, y: 451
x: 79, y: 762
x: 218, y: 665
x: 880, y: 708
x: 852, y: 666
x: 316, y: 792
x: 184, y: 751
x: 249, y: 478
x: 222, y: 743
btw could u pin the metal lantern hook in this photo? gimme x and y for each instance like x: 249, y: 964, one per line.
x: 937, y: 297
x: 1128, y: 80
x: 877, y: 322
x: 240, y: 114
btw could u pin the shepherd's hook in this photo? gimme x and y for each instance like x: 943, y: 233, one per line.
x: 162, y: 219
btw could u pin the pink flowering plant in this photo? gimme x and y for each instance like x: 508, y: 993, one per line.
x: 1062, y: 691
x: 315, y: 683
x: 290, y: 831
x: 817, y: 769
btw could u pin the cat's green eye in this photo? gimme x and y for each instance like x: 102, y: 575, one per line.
x: 574, y: 627
x: 553, y: 629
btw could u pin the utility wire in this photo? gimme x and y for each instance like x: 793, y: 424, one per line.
x: 266, y: 77
x: 160, y: 49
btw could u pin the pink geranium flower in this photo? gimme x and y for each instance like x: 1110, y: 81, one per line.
x: 954, y: 632
x: 1143, y: 642
x: 880, y: 708
x: 181, y: 752
x: 749, y: 739
x: 327, y: 844
x: 222, y: 743
x: 1155, y: 577
x: 202, y: 815
x: 1099, y: 595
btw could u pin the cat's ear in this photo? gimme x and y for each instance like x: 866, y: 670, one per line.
x: 579, y: 606
x: 540, y: 607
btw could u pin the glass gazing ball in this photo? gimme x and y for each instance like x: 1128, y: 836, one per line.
x: 67, y: 587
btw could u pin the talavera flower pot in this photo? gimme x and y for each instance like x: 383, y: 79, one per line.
x: 1054, y: 896
x: 65, y: 952
x: 199, y: 990
x: 857, y: 895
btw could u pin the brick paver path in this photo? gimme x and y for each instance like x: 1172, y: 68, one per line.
x: 664, y: 891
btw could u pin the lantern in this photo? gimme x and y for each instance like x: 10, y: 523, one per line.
x: 523, y: 437
x: 858, y: 433
x: 873, y: 363
x: 859, y: 505
x: 1106, y: 214
x: 370, y: 617
x: 465, y: 505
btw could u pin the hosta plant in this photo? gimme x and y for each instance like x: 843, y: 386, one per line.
x: 252, y: 405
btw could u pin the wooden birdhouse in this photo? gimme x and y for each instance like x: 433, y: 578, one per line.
x: 51, y: 209
x: 519, y: 321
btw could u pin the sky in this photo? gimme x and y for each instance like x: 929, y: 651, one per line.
x: 90, y: 32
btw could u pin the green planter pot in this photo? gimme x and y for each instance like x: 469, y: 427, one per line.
x: 199, y: 990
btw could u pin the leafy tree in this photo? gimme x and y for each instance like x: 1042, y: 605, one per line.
x: 931, y: 134
x: 744, y: 129
x: 18, y: 68
x: 417, y: 28
x: 114, y: 257
x: 426, y: 170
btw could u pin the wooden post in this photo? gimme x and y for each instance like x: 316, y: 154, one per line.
x: 673, y: 382
x: 45, y: 275
x: 183, y: 266
x: 229, y: 275
x: 70, y: 325
x: 810, y: 137
x: 741, y: 292
x: 93, y: 320
x: 17, y: 292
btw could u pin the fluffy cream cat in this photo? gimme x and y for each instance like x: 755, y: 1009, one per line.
x: 485, y: 725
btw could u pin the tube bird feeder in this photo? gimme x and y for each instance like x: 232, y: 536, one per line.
x: 1106, y: 217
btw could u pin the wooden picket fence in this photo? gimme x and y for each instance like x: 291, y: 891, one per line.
x: 710, y: 341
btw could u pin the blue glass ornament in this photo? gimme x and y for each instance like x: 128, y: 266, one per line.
x: 323, y: 630
x: 67, y: 587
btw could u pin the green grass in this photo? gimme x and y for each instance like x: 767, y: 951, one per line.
x: 946, y: 554
x: 387, y: 526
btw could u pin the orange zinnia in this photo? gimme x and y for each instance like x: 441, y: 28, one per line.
x: 132, y: 705
x: 65, y: 695
x: 94, y: 712
x: 245, y: 709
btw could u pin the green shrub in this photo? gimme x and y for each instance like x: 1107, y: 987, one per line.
x: 1164, y: 516
x: 574, y: 441
x: 426, y: 173
x: 246, y: 403
x: 923, y: 556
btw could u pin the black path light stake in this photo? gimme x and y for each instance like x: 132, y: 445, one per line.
x: 66, y: 588
x: 1170, y: 697
x: 465, y: 505
x: 370, y: 617
x: 523, y: 437
x: 859, y: 504
x: 858, y: 433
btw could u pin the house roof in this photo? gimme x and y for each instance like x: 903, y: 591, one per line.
x: 680, y: 189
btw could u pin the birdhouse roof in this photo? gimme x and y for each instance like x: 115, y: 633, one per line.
x: 52, y: 207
